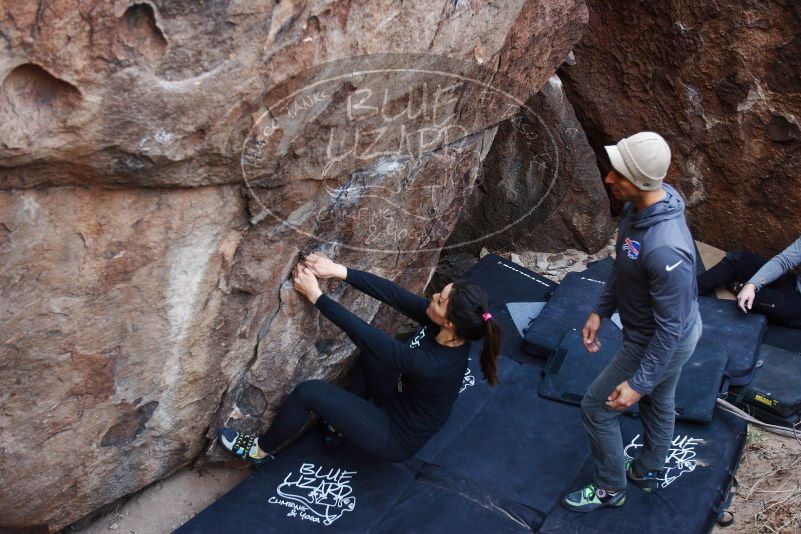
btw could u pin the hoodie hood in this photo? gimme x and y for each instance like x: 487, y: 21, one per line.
x: 670, y: 207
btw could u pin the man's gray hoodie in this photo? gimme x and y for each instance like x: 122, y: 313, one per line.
x: 653, y: 284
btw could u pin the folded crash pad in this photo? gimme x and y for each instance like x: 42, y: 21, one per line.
x: 566, y: 310
x: 509, y: 282
x: 571, y: 369
x: 740, y: 335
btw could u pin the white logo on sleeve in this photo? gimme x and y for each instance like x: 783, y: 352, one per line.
x: 669, y: 268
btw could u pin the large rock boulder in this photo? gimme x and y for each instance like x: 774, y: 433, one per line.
x: 539, y: 187
x: 162, y: 167
x: 721, y: 81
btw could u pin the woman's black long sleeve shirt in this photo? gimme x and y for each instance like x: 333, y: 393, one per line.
x: 431, y: 374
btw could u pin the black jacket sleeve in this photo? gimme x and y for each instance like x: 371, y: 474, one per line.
x: 386, y: 348
x: 406, y: 302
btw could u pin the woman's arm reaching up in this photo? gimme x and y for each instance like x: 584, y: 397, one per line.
x: 406, y: 302
x: 386, y: 348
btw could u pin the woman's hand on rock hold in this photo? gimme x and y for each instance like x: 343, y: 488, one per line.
x: 305, y: 283
x: 325, y: 268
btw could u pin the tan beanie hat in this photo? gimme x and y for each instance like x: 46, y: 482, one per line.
x: 643, y: 158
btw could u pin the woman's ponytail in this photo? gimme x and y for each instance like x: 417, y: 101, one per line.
x: 468, y: 311
x: 490, y: 351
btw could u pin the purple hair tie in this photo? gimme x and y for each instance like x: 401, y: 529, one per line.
x: 486, y: 316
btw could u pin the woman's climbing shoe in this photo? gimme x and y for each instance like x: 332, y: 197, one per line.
x: 241, y: 445
x: 591, y: 497
x: 331, y: 436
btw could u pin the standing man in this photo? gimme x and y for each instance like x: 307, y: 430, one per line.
x: 653, y: 286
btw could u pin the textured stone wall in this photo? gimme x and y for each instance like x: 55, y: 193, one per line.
x: 720, y: 81
x: 539, y: 187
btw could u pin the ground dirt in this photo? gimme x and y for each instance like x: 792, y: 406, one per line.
x: 768, y: 498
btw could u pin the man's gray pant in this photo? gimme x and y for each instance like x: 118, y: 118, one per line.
x: 657, y: 413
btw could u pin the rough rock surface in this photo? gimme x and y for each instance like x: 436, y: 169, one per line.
x: 540, y: 188
x: 109, y: 310
x: 296, y: 342
x: 721, y: 81
x: 149, y: 219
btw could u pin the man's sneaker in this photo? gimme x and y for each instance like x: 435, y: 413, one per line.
x: 648, y: 482
x: 331, y: 436
x: 591, y: 497
x: 241, y: 445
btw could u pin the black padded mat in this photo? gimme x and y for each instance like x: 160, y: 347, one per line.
x: 699, y: 470
x: 782, y: 337
x: 507, y: 282
x: 308, y: 489
x: 739, y: 334
x: 504, y: 460
x: 774, y: 394
x: 427, y: 508
x: 521, y: 449
x: 571, y: 369
x: 567, y: 309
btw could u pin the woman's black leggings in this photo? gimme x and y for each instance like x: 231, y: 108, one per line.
x: 779, y: 300
x: 364, y: 423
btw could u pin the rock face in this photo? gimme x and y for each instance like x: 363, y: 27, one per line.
x: 721, y: 82
x: 162, y: 167
x: 539, y: 187
x: 109, y: 310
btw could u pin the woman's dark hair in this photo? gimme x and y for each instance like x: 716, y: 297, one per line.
x: 467, y: 305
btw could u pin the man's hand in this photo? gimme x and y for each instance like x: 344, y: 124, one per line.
x: 745, y: 298
x: 305, y: 283
x: 623, y: 397
x: 589, y: 334
x: 323, y: 267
